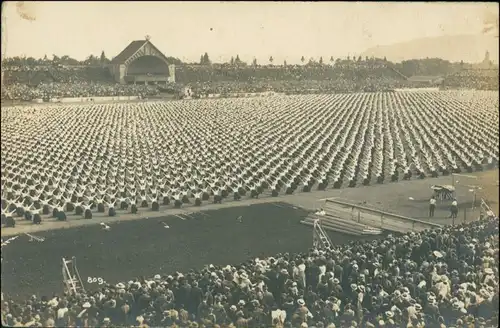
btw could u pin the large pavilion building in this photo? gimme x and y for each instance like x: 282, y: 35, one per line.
x: 142, y: 63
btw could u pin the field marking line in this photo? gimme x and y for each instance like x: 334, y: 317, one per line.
x: 180, y: 217
x: 465, y: 175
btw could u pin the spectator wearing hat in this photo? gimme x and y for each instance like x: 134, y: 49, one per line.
x: 447, y: 282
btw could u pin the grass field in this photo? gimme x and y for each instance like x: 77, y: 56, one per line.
x: 145, y: 247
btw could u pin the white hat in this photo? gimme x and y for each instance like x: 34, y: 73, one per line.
x: 389, y: 314
x: 106, y: 320
x: 86, y: 305
x: 120, y: 285
x: 157, y: 277
x: 301, y: 302
x: 437, y: 254
x: 139, y: 319
x: 488, y: 271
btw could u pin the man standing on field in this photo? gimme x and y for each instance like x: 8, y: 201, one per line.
x: 432, y: 206
x: 454, y: 209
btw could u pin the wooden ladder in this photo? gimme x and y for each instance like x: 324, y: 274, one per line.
x: 71, y: 277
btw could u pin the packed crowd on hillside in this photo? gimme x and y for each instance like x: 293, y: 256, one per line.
x: 297, y: 87
x: 473, y: 79
x: 339, y: 77
x: 294, y: 79
x: 76, y: 89
x: 442, y: 278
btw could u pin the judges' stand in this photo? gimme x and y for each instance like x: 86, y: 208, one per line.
x: 359, y: 220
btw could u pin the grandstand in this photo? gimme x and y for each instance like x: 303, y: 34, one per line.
x: 158, y: 190
x: 149, y: 72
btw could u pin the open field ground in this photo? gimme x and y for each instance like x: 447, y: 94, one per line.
x: 145, y: 247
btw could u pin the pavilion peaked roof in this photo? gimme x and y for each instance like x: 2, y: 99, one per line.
x: 131, y: 49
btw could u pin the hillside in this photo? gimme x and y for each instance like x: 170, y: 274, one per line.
x: 469, y: 48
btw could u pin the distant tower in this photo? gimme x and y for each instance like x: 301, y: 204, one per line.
x: 148, y: 38
x: 486, y: 57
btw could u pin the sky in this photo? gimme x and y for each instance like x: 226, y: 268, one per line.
x: 284, y: 30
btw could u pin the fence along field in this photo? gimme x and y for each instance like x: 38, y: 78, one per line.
x: 98, y: 156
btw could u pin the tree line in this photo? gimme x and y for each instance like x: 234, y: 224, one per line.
x: 236, y: 61
x: 91, y: 60
x: 427, y: 66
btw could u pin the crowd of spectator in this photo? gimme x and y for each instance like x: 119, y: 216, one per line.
x: 339, y: 85
x: 78, y: 89
x: 46, y: 82
x: 486, y: 79
x: 447, y: 277
x: 292, y: 79
x: 340, y: 77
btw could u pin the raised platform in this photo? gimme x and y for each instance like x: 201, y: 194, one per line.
x: 358, y: 220
x: 332, y: 223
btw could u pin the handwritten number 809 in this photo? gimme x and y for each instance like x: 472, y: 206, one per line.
x: 93, y: 280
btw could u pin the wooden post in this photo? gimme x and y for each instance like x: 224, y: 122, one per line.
x: 359, y: 217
